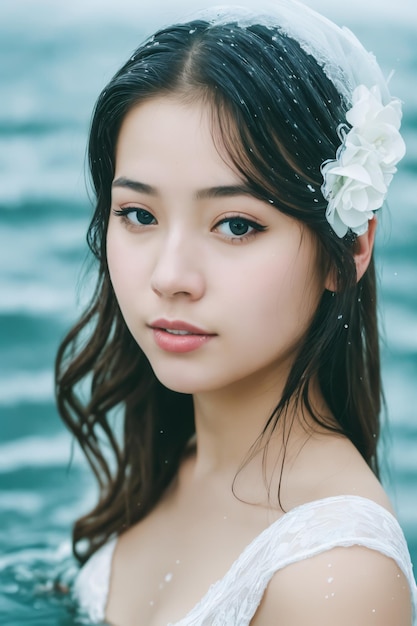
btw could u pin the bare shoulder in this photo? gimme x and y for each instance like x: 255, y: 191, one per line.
x: 342, y: 586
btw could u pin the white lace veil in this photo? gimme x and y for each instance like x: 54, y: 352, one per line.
x: 343, y: 58
x: 357, y: 177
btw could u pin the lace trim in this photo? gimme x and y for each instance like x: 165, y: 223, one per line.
x: 340, y: 521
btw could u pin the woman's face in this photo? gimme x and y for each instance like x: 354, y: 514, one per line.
x: 216, y: 286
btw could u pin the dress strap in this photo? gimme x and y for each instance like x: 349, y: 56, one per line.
x: 303, y: 532
x: 91, y: 587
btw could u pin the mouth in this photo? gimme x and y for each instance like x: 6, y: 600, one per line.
x: 179, y: 337
x: 172, y: 331
x: 177, y: 327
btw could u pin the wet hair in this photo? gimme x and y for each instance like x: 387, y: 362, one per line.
x: 276, y: 114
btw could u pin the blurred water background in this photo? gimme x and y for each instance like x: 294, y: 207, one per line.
x: 54, y: 59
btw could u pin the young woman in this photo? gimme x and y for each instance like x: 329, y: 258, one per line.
x: 231, y: 345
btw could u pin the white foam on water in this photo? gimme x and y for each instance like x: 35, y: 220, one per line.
x: 23, y: 386
x: 29, y: 555
x: 129, y: 10
x: 37, y: 451
x: 45, y: 175
x: 401, y: 328
x: 404, y: 458
x: 64, y: 516
x: 26, y: 502
x: 35, y: 298
x: 400, y: 11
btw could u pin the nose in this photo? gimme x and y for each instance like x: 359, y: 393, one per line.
x: 177, y: 270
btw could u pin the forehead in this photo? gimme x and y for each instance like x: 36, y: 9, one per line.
x: 164, y: 135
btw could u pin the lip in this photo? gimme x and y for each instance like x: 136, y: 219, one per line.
x: 162, y: 324
x: 195, y: 338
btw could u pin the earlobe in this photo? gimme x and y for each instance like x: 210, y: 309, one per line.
x: 362, y: 253
x: 363, y: 249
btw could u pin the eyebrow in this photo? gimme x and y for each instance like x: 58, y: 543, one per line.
x: 220, y: 191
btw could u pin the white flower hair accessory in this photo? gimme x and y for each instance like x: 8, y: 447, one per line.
x: 356, y: 182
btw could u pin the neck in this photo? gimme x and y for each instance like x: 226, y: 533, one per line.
x: 230, y: 422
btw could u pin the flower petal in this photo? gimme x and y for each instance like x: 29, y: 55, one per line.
x: 356, y: 182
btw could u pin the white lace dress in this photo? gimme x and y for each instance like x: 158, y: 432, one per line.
x: 303, y: 532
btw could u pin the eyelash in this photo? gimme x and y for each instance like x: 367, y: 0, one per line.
x: 124, y: 214
x: 255, y: 226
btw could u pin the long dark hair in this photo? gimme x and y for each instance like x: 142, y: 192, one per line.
x: 277, y: 114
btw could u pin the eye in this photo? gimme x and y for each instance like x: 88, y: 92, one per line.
x: 238, y: 227
x: 136, y: 216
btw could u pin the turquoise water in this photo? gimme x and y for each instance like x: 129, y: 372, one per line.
x: 53, y: 62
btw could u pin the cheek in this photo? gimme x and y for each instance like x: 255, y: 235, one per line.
x: 282, y: 292
x: 115, y: 260
x: 124, y: 266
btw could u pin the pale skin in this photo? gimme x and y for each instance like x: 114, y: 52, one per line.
x: 180, y: 258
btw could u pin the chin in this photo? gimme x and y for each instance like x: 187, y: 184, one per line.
x: 181, y: 386
x: 184, y: 382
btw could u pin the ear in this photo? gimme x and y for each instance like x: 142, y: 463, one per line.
x: 362, y: 252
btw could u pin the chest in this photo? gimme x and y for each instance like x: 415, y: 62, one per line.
x: 163, y: 567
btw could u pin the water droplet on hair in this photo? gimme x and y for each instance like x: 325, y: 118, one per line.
x: 339, y: 317
x: 161, y: 432
x: 192, y: 31
x: 311, y: 188
x: 346, y: 326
